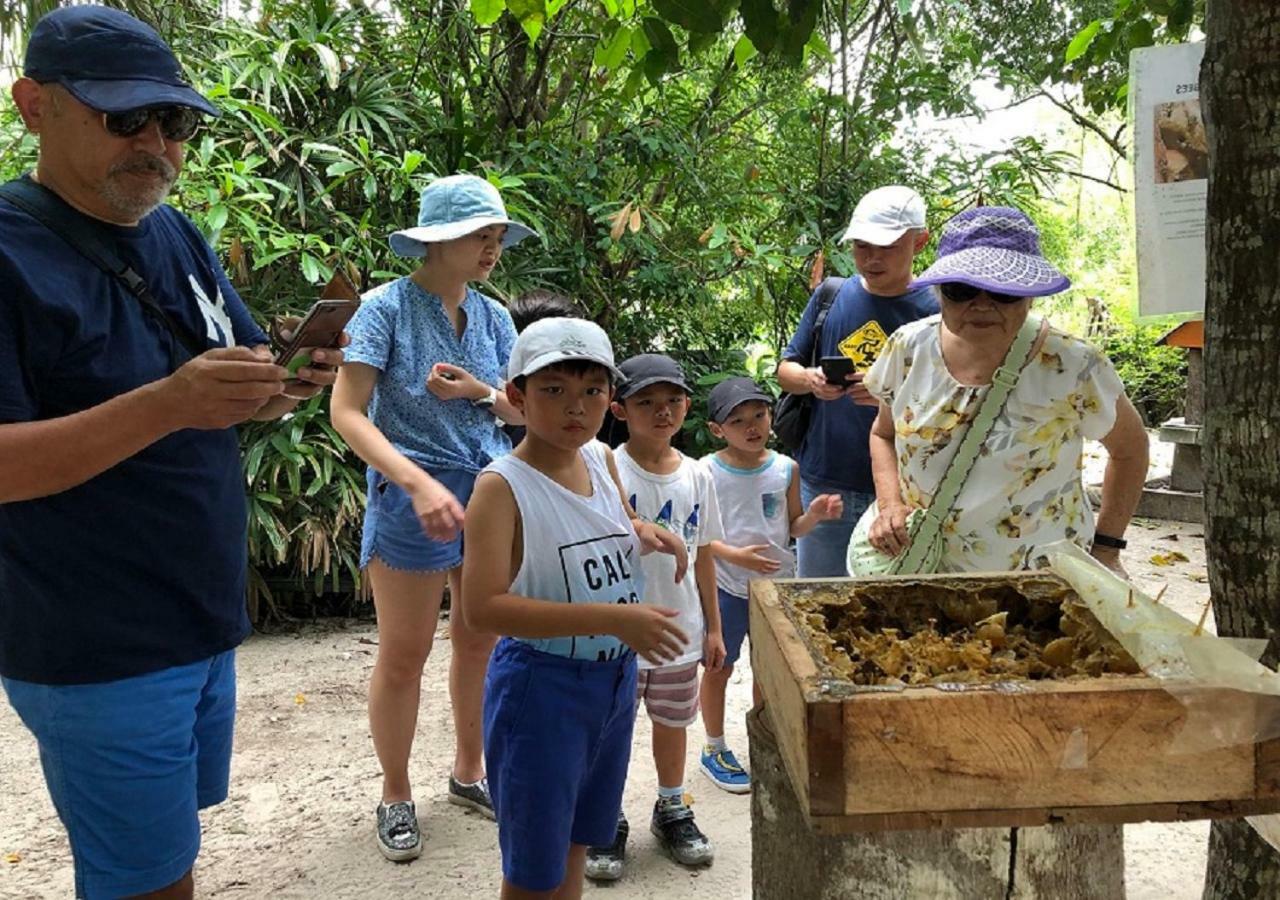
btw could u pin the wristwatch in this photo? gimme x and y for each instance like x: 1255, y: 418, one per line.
x: 1106, y: 540
x: 487, y: 401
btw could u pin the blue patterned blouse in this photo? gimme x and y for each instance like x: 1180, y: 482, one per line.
x: 402, y: 330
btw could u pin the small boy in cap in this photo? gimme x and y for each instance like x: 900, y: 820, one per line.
x: 667, y: 488
x: 552, y: 563
x: 759, y: 495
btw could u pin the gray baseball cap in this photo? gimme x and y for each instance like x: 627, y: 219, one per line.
x: 550, y: 341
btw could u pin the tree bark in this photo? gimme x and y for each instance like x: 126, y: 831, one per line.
x: 1240, y: 93
x: 1077, y: 862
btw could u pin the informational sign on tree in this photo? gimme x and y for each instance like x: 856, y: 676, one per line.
x: 1171, y: 178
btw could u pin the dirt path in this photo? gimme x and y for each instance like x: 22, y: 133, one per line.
x: 300, y: 816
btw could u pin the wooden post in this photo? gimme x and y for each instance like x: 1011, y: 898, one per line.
x: 788, y: 860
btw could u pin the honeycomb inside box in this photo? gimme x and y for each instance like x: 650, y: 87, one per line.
x: 965, y: 629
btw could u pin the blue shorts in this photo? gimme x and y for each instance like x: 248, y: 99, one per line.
x: 557, y: 742
x: 822, y: 552
x: 128, y: 763
x: 393, y: 533
x: 733, y: 624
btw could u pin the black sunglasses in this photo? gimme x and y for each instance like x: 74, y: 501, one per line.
x: 963, y: 293
x: 177, y: 123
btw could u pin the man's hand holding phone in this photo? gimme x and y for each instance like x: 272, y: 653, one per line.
x: 840, y: 372
x: 313, y: 346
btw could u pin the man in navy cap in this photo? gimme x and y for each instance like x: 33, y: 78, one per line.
x: 122, y: 510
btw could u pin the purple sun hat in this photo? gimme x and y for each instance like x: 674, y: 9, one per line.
x: 995, y: 248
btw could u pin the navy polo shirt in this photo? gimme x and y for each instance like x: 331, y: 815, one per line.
x: 836, y: 449
x: 142, y: 567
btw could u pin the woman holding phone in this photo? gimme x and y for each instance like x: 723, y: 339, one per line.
x: 419, y: 399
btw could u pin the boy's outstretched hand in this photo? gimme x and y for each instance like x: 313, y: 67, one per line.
x: 826, y: 506
x: 652, y: 632
x: 656, y: 538
x: 754, y: 559
x: 713, y: 652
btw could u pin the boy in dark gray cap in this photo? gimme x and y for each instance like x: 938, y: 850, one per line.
x: 667, y: 488
x: 759, y: 495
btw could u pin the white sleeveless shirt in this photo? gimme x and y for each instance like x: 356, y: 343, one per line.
x: 576, y: 549
x: 753, y: 508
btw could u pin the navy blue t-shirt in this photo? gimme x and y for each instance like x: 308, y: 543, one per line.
x: 836, y: 449
x: 142, y: 567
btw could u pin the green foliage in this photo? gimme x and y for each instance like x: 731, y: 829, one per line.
x: 1097, y: 57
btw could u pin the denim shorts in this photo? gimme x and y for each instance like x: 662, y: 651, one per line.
x: 128, y: 763
x: 393, y: 533
x: 557, y: 742
x: 822, y: 552
x: 733, y: 624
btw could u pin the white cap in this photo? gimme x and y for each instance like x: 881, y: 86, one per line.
x: 885, y: 214
x: 550, y: 341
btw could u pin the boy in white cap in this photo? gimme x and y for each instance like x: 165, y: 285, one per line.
x: 887, y: 230
x: 553, y: 564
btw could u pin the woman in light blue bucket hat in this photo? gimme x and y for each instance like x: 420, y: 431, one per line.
x: 420, y: 400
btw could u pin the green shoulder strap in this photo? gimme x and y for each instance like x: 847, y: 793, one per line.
x: 1003, y: 381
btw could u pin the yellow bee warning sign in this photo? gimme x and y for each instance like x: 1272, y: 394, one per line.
x: 864, y: 345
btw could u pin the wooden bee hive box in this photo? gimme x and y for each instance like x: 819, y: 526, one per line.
x: 1006, y: 722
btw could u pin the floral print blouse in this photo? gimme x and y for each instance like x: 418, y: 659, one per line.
x: 1025, y: 489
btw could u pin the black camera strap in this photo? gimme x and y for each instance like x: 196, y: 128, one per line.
x: 90, y: 239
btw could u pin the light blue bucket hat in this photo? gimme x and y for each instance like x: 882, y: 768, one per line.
x: 454, y: 206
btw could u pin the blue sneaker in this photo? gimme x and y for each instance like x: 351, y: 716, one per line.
x: 722, y: 767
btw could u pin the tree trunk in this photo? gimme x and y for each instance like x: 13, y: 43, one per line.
x: 1240, y: 92
x: 1078, y: 862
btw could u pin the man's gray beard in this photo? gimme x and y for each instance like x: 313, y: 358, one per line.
x: 134, y: 204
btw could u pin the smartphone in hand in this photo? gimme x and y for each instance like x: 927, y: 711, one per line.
x: 322, y: 328
x: 835, y: 368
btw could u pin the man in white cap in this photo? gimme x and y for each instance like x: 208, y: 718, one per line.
x: 887, y: 231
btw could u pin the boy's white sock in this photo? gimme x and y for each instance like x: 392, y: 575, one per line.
x: 671, y: 794
x: 716, y: 744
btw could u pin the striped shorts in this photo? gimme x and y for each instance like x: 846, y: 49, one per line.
x: 670, y: 694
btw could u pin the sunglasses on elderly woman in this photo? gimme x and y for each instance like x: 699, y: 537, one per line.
x: 177, y: 123
x: 963, y: 293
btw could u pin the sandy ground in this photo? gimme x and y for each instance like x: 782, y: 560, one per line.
x: 299, y: 820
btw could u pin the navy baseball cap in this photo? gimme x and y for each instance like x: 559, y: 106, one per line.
x: 109, y: 61
x: 731, y: 393
x: 650, y: 368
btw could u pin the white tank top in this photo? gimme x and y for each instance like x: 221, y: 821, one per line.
x: 753, y: 508
x: 576, y: 549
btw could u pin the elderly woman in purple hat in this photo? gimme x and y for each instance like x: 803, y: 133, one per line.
x: 1024, y: 490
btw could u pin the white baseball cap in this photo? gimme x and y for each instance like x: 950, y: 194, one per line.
x: 550, y: 341
x: 885, y: 214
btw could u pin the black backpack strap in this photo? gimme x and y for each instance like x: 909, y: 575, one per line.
x: 91, y: 241
x: 827, y: 292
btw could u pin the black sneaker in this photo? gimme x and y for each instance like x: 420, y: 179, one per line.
x: 605, y: 863
x: 672, y: 824
x: 398, y: 837
x: 472, y: 796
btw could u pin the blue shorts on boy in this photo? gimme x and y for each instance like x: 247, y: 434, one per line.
x: 128, y: 764
x: 559, y: 712
x: 393, y: 533
x: 753, y: 508
x: 557, y: 739
x: 734, y: 623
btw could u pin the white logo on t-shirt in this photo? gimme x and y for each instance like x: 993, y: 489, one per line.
x: 217, y: 322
